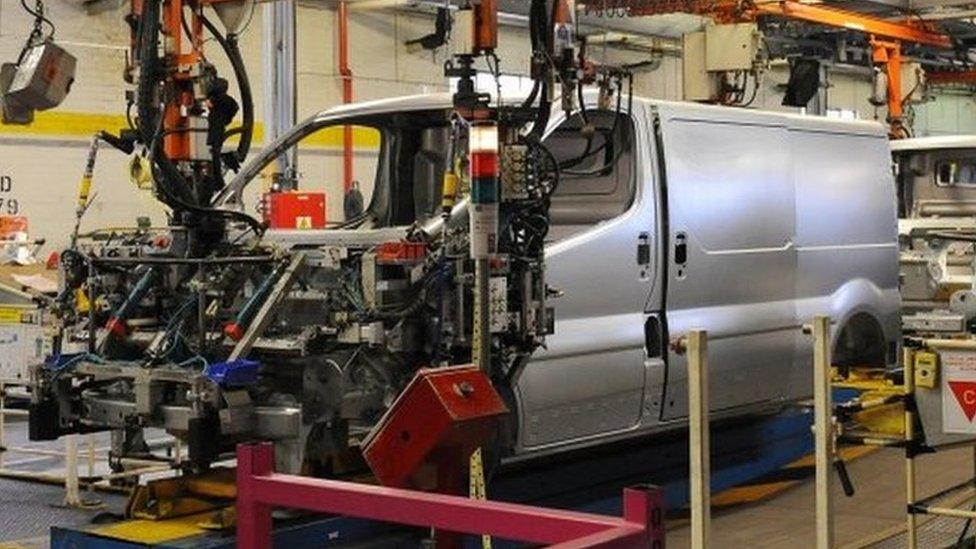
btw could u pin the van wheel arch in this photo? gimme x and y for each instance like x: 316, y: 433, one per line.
x: 860, y: 341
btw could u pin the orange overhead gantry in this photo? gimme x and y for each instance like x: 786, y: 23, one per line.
x: 886, y: 36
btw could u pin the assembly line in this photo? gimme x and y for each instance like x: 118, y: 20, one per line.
x: 574, y: 273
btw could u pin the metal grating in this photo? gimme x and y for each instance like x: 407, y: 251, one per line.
x: 29, y: 510
x: 933, y: 531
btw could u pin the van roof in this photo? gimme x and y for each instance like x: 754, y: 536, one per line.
x: 935, y: 142
x: 442, y: 100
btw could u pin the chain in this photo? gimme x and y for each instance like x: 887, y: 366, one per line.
x: 38, y: 32
x: 37, y: 35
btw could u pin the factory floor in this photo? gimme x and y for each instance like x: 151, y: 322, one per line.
x: 878, y: 505
x: 786, y: 519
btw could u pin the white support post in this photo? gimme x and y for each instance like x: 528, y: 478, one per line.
x: 72, y: 493
x: 698, y: 439
x: 823, y: 431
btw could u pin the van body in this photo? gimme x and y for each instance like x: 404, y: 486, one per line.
x: 743, y: 223
x: 936, y: 180
x: 756, y: 222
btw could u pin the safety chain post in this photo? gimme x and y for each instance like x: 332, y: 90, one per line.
x: 908, y: 372
x: 823, y: 431
x: 698, y: 439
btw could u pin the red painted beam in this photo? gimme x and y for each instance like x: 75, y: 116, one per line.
x: 951, y: 77
x: 259, y: 489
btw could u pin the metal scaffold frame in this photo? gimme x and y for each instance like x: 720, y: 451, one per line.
x: 828, y: 432
x: 71, y: 477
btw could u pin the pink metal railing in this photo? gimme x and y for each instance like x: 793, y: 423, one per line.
x: 259, y: 489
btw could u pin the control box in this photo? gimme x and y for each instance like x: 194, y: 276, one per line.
x: 295, y: 210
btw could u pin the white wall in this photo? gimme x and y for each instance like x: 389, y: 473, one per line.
x: 45, y: 161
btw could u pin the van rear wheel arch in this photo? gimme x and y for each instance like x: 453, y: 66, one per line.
x: 860, y: 341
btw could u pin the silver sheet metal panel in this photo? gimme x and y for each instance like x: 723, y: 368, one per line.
x: 771, y: 219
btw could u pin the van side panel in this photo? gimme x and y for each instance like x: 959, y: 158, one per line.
x: 846, y: 235
x: 731, y: 208
x: 588, y: 382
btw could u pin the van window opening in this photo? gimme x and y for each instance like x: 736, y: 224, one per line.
x: 956, y: 173
x: 597, y: 175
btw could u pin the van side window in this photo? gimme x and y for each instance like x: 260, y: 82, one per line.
x: 597, y: 180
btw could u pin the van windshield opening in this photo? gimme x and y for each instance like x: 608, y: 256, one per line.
x: 400, y: 160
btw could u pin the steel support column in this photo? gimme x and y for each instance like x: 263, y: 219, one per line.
x: 280, y: 90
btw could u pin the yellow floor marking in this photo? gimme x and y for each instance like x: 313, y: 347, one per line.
x: 847, y: 453
x: 153, y: 531
x: 748, y: 494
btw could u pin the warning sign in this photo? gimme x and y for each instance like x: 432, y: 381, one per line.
x: 10, y: 315
x: 965, y: 393
x: 959, y: 392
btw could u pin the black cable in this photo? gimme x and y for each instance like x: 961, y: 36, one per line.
x: 231, y: 48
x: 543, y: 29
x: 588, y: 152
x: 755, y: 91
x: 602, y: 170
x: 170, y: 184
x: 149, y: 119
x: 164, y: 164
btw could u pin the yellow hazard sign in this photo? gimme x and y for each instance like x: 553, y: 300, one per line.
x: 9, y: 315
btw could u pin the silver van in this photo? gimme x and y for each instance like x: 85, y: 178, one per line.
x: 740, y: 222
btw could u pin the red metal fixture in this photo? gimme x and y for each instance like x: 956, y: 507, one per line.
x: 259, y: 489
x: 427, y: 436
x: 401, y: 252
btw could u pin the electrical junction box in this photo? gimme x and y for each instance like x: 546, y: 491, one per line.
x: 717, y: 49
x: 697, y: 83
x: 731, y: 47
x: 295, y: 210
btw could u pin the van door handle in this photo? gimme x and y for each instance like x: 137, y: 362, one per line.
x: 644, y: 249
x: 680, y: 249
